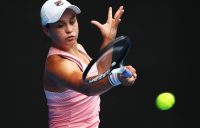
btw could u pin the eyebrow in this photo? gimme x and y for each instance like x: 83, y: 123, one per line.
x: 62, y: 21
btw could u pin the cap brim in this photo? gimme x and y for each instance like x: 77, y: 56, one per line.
x: 75, y: 9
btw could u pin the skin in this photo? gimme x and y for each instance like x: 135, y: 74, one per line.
x: 58, y: 77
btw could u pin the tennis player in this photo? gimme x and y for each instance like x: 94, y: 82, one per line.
x: 71, y: 102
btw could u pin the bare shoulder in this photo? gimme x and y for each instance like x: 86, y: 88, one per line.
x: 55, y: 63
x: 58, y: 71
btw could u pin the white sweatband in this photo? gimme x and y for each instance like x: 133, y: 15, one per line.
x: 113, y: 79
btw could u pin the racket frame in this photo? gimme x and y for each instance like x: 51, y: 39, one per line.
x: 114, y: 65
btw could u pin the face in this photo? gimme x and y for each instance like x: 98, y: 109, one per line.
x: 65, y: 31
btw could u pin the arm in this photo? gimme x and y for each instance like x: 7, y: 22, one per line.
x: 108, y: 31
x: 63, y: 73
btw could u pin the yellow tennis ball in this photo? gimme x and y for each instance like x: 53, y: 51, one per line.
x: 165, y: 101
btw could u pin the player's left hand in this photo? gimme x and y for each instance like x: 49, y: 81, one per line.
x: 109, y: 29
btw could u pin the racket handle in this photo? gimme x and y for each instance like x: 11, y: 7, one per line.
x: 123, y: 71
x: 126, y: 73
x: 113, y: 78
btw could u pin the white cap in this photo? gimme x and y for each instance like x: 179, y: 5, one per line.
x: 52, y: 10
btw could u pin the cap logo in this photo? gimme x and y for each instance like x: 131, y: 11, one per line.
x: 58, y: 3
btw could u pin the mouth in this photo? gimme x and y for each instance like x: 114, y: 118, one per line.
x: 70, y: 38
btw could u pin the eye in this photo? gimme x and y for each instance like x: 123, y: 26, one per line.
x: 72, y: 20
x: 59, y: 25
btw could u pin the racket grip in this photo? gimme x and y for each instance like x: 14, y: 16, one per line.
x: 126, y: 73
x: 123, y: 71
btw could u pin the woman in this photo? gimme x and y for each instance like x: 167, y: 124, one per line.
x: 71, y: 102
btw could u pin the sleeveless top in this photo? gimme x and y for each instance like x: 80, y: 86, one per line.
x: 71, y: 109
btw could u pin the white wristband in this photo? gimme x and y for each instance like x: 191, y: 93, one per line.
x: 113, y: 79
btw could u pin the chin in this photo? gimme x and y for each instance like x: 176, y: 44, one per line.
x: 71, y: 42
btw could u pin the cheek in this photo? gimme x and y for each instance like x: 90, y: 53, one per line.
x: 55, y: 36
x: 77, y: 30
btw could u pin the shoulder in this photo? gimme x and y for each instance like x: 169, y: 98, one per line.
x: 57, y: 63
x: 55, y: 59
x: 60, y: 73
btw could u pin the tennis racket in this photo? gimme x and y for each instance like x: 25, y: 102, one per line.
x: 110, y: 57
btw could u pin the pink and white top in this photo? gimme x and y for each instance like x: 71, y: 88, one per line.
x: 71, y: 109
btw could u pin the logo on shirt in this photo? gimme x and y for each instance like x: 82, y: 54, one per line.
x: 58, y: 3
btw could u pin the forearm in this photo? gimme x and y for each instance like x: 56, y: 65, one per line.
x: 105, y: 42
x: 106, y: 61
x: 96, y: 88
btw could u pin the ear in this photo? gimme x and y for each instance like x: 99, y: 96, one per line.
x: 46, y: 31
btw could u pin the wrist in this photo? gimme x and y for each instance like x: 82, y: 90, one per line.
x: 113, y: 79
x: 105, y: 42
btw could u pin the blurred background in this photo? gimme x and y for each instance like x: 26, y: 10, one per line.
x: 164, y: 34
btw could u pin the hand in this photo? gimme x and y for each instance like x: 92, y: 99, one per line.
x: 130, y: 80
x: 109, y: 29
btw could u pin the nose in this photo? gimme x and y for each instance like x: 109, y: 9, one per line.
x: 68, y: 28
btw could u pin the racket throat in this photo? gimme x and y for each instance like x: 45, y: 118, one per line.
x: 100, y: 76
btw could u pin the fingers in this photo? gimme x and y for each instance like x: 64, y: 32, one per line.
x: 130, y: 81
x: 110, y: 13
x: 96, y: 23
x: 109, y: 29
x: 117, y: 16
x: 119, y: 13
x: 133, y: 71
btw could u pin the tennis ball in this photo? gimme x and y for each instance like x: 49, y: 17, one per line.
x: 165, y: 101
